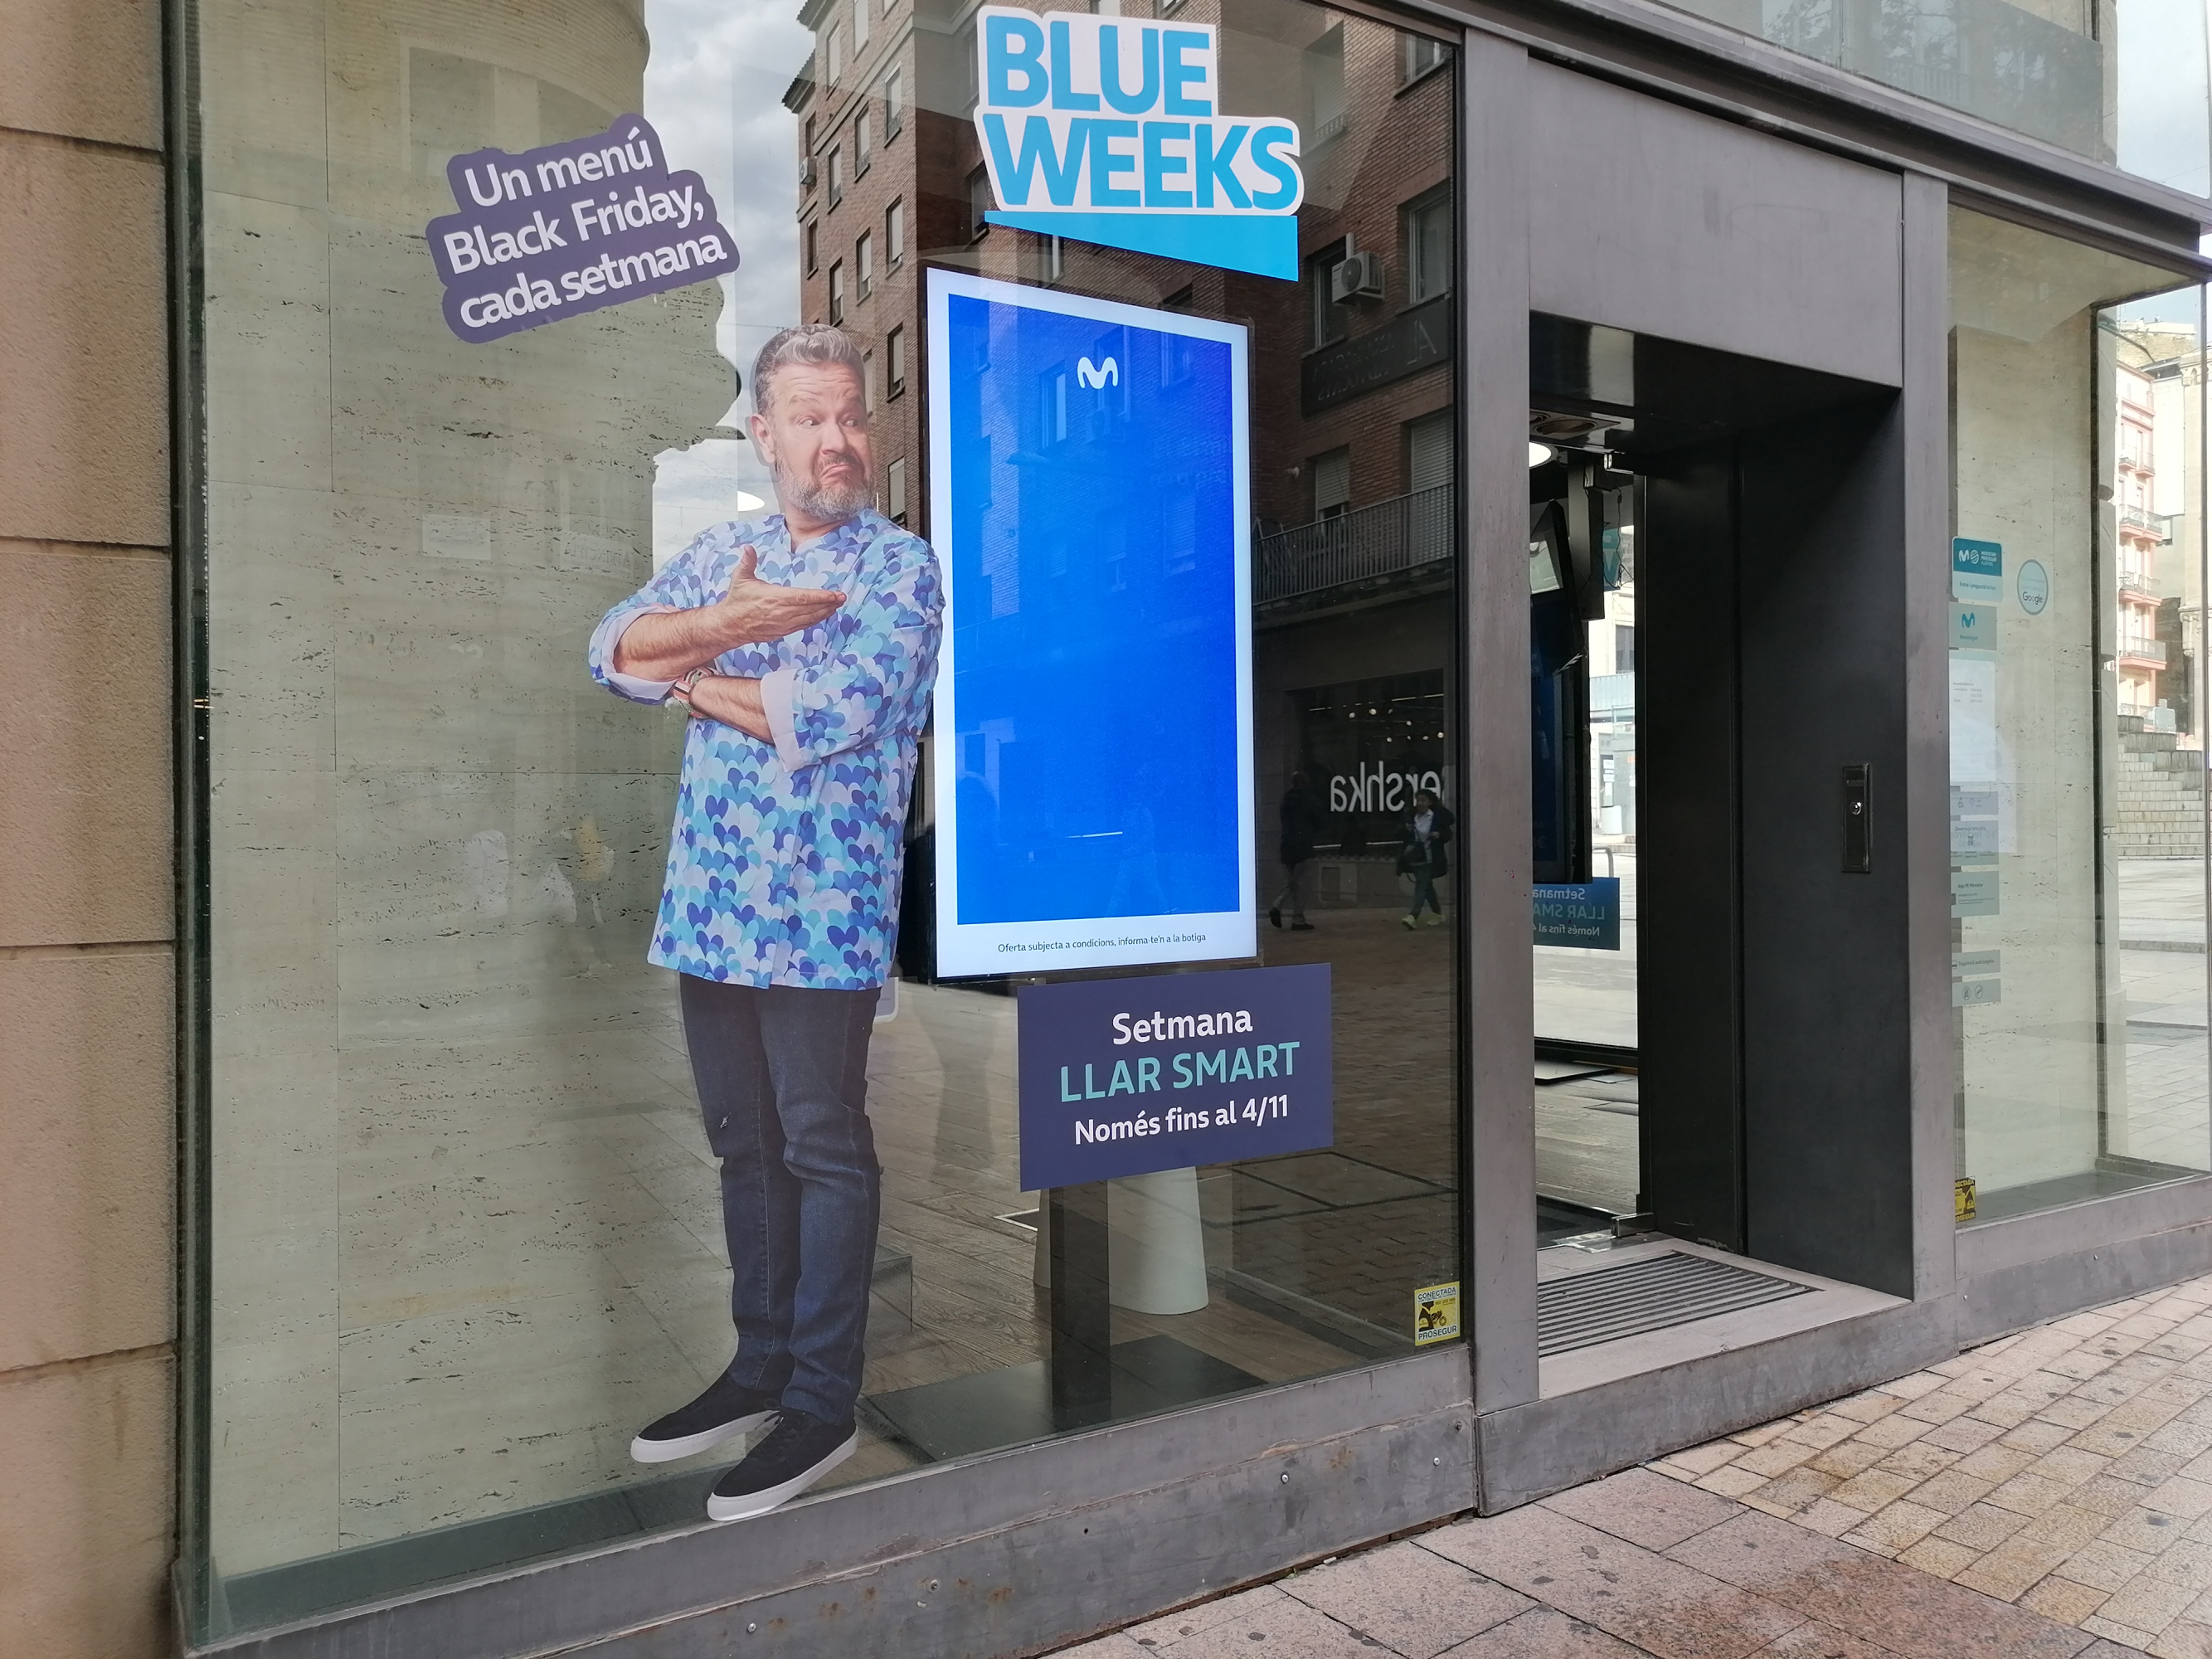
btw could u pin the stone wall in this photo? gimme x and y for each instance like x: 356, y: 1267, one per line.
x: 87, y: 1213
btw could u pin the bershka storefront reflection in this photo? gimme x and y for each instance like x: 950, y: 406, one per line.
x: 724, y: 997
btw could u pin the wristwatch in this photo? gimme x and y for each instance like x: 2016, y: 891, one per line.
x: 682, y: 689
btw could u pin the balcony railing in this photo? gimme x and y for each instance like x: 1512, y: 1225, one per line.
x: 2143, y: 650
x: 2160, y: 525
x: 1402, y: 534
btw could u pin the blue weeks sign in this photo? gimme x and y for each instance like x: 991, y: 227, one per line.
x: 1123, y: 1077
x: 1110, y: 129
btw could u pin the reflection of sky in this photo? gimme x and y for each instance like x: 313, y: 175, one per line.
x: 2163, y: 131
x: 714, y: 90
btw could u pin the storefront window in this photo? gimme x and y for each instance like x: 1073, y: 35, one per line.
x: 2077, y: 722
x: 471, y: 1232
x: 2121, y: 82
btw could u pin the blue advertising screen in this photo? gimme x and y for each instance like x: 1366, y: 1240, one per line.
x: 1093, y: 717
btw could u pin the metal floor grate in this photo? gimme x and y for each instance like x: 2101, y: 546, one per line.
x: 1655, y: 1294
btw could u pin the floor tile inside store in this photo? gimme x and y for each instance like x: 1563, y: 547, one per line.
x: 2049, y: 1494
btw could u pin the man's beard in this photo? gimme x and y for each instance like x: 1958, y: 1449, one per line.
x: 829, y: 504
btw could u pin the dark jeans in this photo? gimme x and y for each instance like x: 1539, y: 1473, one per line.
x: 782, y: 1073
x: 1424, y: 893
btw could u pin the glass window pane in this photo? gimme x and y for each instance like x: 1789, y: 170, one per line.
x: 472, y: 1227
x: 2122, y: 81
x: 2077, y: 741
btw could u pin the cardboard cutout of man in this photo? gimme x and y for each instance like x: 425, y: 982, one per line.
x: 804, y: 644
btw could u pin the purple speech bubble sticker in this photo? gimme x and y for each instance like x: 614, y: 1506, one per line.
x: 569, y: 228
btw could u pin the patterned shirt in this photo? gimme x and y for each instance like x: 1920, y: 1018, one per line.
x: 785, y: 860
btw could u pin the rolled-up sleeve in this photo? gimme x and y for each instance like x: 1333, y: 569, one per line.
x: 677, y: 587
x: 877, y: 677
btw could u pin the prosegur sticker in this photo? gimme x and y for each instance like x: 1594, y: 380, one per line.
x: 1977, y: 571
x: 571, y: 227
x: 1436, y: 1313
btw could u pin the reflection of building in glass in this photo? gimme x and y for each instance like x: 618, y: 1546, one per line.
x: 404, y: 561
x: 1353, y: 434
x: 2159, y: 589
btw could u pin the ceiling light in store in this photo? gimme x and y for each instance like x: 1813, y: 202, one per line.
x: 1539, y: 453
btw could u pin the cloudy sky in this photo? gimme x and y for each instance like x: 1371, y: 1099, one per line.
x: 714, y: 90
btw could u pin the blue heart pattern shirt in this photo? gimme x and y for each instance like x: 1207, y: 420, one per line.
x: 784, y: 859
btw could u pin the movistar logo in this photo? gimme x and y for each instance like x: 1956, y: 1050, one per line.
x: 1093, y: 376
x: 1110, y: 129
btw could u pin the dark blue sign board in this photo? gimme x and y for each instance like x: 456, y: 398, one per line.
x: 1124, y: 1076
x: 1585, y: 914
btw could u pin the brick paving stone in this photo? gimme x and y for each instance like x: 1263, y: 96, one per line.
x: 1938, y: 1408
x: 1908, y: 1613
x: 1651, y: 1601
x: 1191, y: 1621
x: 1940, y: 1556
x: 2135, y: 1641
x: 1410, y: 1599
x: 1823, y: 1432
x: 2147, y: 1604
x: 1896, y: 1528
x: 2183, y: 1435
x: 1996, y: 1463
x: 1866, y: 1408
x: 1892, y: 1432
x: 1830, y: 1518
x: 1795, y: 1490
x: 2062, y: 1599
x: 1542, y: 1634
x: 1700, y: 1460
x: 1962, y: 1434
x: 1846, y: 1458
x: 2190, y: 1500
x: 2183, y: 1639
x: 1951, y: 1491
x: 2147, y: 1467
x: 1730, y: 1481
x: 2189, y: 1562
x: 1812, y: 1640
x: 1775, y: 1457
x: 1635, y: 1505
x: 2110, y: 1494
x: 1979, y: 1527
x: 2036, y: 1436
x: 1870, y: 1489
x: 1919, y: 1460
x: 2145, y: 1532
x: 2031, y: 1492
x: 2105, y: 1566
x: 2014, y: 1567
x: 1760, y: 1435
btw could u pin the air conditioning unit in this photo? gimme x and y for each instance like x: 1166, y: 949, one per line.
x: 806, y: 172
x: 1356, y: 277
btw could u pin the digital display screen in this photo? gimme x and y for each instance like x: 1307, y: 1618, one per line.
x: 1093, y: 716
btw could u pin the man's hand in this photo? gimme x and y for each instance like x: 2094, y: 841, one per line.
x: 754, y: 611
x: 731, y: 699
x: 666, y: 645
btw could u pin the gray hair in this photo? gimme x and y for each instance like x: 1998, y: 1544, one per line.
x: 811, y: 345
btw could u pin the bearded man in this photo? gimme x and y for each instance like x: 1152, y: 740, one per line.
x: 803, y: 645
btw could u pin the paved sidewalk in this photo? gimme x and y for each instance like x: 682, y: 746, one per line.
x: 2049, y: 1494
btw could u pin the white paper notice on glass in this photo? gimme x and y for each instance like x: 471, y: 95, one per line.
x: 1973, y: 720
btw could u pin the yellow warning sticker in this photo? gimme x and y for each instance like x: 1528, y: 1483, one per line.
x: 1962, y: 1199
x: 1436, y: 1313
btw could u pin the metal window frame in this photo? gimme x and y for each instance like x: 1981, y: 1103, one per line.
x: 1264, y: 1480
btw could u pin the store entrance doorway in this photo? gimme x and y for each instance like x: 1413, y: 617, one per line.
x: 1716, y: 644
